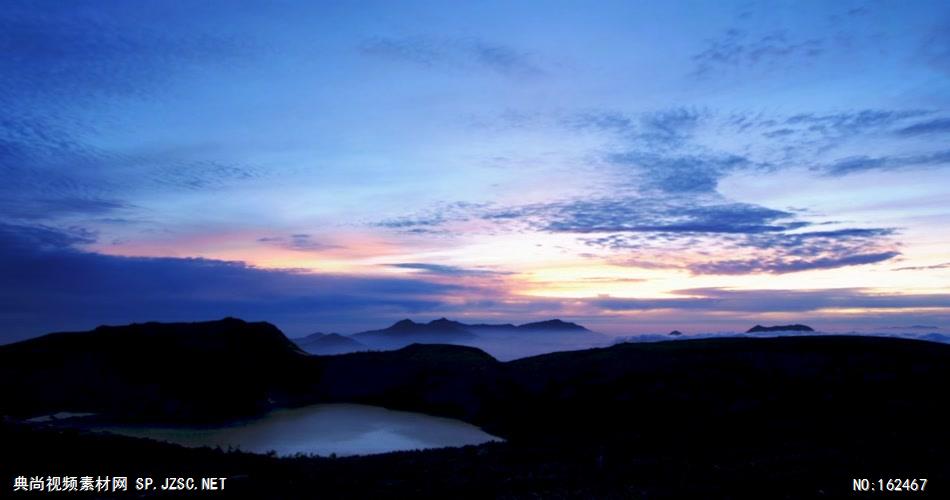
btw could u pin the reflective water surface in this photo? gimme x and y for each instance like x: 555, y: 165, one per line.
x: 343, y: 429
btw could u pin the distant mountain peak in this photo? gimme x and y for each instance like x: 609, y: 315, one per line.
x: 445, y: 322
x: 553, y: 324
x: 403, y: 324
x: 329, y: 343
x: 407, y: 331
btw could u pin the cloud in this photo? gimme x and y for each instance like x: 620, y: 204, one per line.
x: 681, y: 174
x: 300, y: 242
x: 773, y: 301
x: 856, y: 164
x: 61, y: 52
x: 445, y: 270
x: 945, y: 265
x: 51, y: 172
x: 30, y: 208
x: 65, y: 68
x: 453, y: 54
x: 853, y: 122
x: 669, y: 127
x: 939, y: 125
x: 688, y: 233
x: 39, y: 238
x: 606, y: 121
x: 648, y: 215
x: 431, y: 221
x: 736, y: 49
x: 774, y: 252
x: 50, y: 284
x: 782, y: 264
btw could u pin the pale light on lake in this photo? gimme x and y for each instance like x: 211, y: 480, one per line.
x: 343, y: 429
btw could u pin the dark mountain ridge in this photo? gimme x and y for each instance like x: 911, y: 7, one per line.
x: 782, y: 411
x: 188, y: 371
x: 223, y: 369
x: 406, y: 332
x: 505, y: 340
x: 329, y: 343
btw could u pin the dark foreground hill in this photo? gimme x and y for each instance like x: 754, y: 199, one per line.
x: 187, y: 371
x: 793, y: 417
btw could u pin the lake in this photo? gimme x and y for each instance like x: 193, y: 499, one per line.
x: 343, y: 429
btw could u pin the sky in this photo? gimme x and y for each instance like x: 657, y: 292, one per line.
x: 336, y: 166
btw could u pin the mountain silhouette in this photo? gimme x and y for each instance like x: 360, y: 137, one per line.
x: 443, y: 330
x: 553, y: 325
x: 189, y: 371
x: 229, y: 368
x: 805, y: 403
x: 329, y: 343
x: 780, y: 328
x: 405, y: 332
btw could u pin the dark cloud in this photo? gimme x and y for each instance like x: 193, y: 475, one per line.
x: 657, y: 130
x: 49, y: 171
x: 945, y: 265
x: 670, y: 127
x: 16, y: 239
x: 681, y: 174
x: 648, y: 215
x: 856, y: 164
x: 939, y: 125
x: 30, y: 208
x: 50, y: 284
x: 835, y: 126
x: 638, y: 229
x: 63, y: 68
x: 66, y: 51
x: 444, y: 270
x: 783, y: 263
x: 454, y: 54
x: 774, y: 252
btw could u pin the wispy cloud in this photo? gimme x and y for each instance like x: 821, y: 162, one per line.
x: 302, y: 242
x: 446, y: 270
x: 454, y: 54
x: 762, y: 301
x: 681, y: 174
x: 945, y: 265
x: 936, y: 126
x: 773, y: 252
x: 857, y: 164
x: 59, y: 52
x: 648, y: 215
x: 738, y: 49
x: 782, y: 264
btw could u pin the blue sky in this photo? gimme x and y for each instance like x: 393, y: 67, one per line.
x: 333, y: 166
